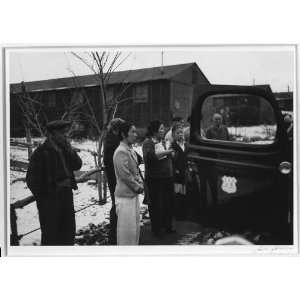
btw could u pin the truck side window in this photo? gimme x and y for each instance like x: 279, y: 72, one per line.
x: 238, y: 118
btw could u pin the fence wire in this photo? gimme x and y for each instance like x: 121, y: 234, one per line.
x: 77, y: 211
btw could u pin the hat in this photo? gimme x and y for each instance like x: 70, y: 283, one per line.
x: 58, y: 124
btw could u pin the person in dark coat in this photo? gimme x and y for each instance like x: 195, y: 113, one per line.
x: 111, y: 143
x: 179, y: 169
x: 159, y: 179
x: 50, y: 178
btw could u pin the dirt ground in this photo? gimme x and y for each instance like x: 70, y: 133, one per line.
x: 186, y: 233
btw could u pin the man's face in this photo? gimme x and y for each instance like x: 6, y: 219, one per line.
x: 178, y: 135
x: 132, y: 135
x: 217, y: 119
x: 62, y: 134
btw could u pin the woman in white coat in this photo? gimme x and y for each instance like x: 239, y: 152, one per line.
x: 129, y: 186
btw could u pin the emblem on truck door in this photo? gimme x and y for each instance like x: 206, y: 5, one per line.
x: 229, y: 184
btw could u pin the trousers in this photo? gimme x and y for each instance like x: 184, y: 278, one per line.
x: 57, y: 218
x: 161, y: 192
x: 128, y: 224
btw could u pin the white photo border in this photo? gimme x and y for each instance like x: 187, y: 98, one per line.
x: 191, y: 250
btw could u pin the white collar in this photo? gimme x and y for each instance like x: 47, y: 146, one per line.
x: 155, y: 140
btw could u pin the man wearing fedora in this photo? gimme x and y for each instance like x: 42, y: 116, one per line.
x: 51, y: 179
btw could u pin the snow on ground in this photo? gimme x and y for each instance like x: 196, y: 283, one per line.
x: 18, y: 153
x: 88, y: 161
x: 86, y: 195
x: 263, y: 134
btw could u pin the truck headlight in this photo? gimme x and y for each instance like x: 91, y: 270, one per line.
x: 285, y: 167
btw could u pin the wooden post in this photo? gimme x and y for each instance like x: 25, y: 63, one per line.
x: 104, y: 187
x: 29, y: 141
x: 99, y: 181
x: 103, y: 184
x: 14, y: 237
x: 102, y: 200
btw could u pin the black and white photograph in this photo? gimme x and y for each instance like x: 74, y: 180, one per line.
x: 149, y: 150
x: 189, y: 149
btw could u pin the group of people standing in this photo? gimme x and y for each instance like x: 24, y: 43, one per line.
x: 164, y: 179
x: 51, y: 179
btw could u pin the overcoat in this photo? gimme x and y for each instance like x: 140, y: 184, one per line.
x: 46, y: 169
x: 179, y: 163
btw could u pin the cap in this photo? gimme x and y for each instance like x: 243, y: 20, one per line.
x: 58, y: 124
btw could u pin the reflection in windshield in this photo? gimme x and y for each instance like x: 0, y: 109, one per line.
x: 217, y: 131
x: 239, y: 118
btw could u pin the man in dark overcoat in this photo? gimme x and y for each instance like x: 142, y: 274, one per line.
x: 51, y: 180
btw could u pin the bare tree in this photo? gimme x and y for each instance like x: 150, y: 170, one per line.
x: 103, y: 65
x: 35, y: 117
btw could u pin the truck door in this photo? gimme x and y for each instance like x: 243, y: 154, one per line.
x: 239, y: 164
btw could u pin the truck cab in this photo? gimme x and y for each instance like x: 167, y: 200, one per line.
x: 239, y: 174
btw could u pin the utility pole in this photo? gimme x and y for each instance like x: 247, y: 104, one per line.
x: 162, y: 63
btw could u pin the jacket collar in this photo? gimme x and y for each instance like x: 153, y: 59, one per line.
x: 126, y: 146
x: 51, y: 145
x: 177, y: 145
